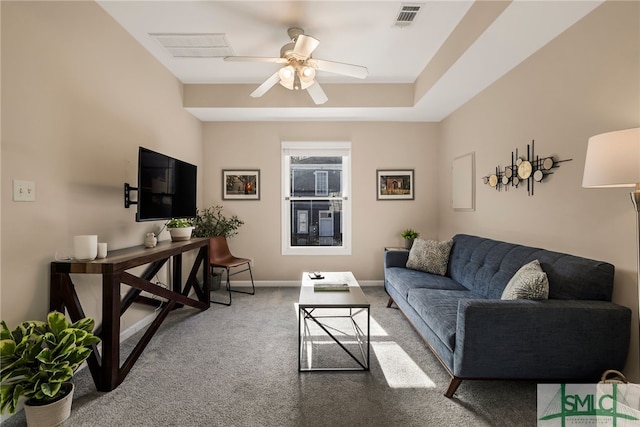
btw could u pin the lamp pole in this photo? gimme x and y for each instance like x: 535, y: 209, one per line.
x: 635, y: 199
x: 613, y: 160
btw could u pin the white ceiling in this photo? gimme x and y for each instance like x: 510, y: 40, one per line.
x: 357, y: 32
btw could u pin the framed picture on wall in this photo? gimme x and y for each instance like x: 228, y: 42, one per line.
x: 241, y: 184
x: 394, y: 184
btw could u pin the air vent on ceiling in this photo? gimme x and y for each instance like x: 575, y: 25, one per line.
x: 195, y: 45
x: 407, y: 14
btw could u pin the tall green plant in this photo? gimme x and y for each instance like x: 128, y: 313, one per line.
x: 37, y: 357
x: 211, y: 222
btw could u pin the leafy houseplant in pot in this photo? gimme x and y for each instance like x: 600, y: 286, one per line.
x: 211, y: 222
x: 180, y: 229
x: 409, y: 235
x: 38, y: 359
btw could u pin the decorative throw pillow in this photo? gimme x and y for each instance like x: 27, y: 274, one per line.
x: 529, y: 282
x: 429, y: 256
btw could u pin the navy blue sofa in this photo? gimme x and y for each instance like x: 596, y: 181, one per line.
x: 574, y: 336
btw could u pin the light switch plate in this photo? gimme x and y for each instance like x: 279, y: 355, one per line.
x: 24, y: 191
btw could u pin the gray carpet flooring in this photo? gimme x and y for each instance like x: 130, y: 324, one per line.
x: 237, y: 366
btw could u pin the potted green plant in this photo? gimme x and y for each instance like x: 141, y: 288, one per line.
x: 180, y: 229
x: 211, y: 222
x: 38, y: 360
x: 409, y: 235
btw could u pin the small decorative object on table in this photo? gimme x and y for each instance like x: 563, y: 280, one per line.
x: 330, y: 286
x: 409, y: 235
x: 150, y: 241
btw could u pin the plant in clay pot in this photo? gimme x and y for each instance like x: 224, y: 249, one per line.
x: 38, y: 360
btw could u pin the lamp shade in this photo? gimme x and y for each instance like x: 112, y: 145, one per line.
x: 613, y: 160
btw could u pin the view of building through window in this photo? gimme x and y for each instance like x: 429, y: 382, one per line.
x: 316, y: 200
x: 316, y: 208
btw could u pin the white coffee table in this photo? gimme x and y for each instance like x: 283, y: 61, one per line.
x: 333, y: 317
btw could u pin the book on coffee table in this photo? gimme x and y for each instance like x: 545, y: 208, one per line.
x: 331, y: 286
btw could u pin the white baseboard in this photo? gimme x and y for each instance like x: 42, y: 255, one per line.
x: 141, y: 324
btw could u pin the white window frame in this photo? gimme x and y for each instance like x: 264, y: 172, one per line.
x: 324, y: 149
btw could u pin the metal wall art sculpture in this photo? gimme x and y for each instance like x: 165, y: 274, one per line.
x: 531, y: 169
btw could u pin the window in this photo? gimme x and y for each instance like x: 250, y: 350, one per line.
x: 316, y: 210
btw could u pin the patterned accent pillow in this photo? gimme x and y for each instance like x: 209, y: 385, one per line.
x: 529, y: 282
x: 429, y: 256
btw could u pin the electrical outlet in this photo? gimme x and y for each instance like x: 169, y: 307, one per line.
x: 24, y: 191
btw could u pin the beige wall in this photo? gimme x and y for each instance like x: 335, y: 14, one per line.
x: 376, y: 224
x: 583, y: 83
x: 79, y: 96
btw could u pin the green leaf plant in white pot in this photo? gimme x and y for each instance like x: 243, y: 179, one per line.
x: 180, y: 229
x: 38, y: 359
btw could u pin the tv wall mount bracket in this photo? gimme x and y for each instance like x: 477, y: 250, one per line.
x: 127, y: 195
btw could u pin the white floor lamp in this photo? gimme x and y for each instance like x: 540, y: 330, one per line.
x: 613, y: 160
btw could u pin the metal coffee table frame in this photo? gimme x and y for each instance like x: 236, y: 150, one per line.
x: 311, y: 307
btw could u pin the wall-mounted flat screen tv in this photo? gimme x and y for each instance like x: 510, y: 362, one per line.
x: 166, y: 187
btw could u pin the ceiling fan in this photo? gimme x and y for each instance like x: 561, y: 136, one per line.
x: 299, y: 71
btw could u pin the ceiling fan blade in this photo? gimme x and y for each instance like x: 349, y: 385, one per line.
x: 264, y: 87
x: 317, y: 94
x: 305, y: 45
x: 254, y: 59
x: 350, y: 70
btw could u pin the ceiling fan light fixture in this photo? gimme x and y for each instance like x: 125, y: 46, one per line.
x: 286, y: 73
x: 307, y: 76
x: 299, y: 68
x: 307, y: 72
x: 287, y: 76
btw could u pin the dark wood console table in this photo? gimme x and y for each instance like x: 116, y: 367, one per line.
x: 105, y: 368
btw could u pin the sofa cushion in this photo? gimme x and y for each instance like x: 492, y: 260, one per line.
x: 529, y: 282
x: 429, y: 256
x: 404, y: 279
x: 439, y: 310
